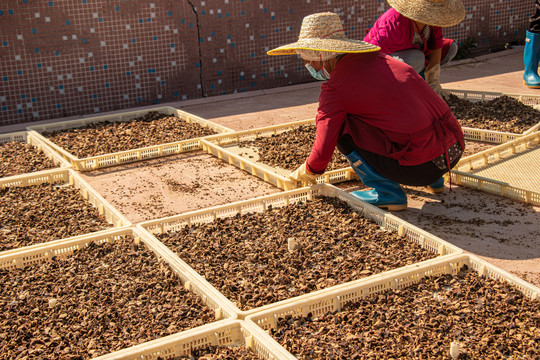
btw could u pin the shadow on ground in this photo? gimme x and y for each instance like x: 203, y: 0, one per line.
x: 478, y: 222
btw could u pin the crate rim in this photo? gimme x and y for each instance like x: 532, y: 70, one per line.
x: 524, y: 138
x: 493, y: 156
x: 46, y: 149
x: 150, y: 244
x: 493, y: 93
x: 129, y: 112
x: 276, y: 350
x: 260, y: 129
x: 71, y: 174
x: 138, y: 236
x: 282, y: 181
x: 142, y: 226
x: 78, y: 162
x: 396, y: 275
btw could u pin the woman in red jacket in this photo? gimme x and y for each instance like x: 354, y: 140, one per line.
x: 393, y: 128
x: 411, y: 31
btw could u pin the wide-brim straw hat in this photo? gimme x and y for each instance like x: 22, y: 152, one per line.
x: 324, y: 32
x: 442, y: 13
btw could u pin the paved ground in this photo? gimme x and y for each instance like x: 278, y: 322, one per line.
x: 499, y: 72
x: 504, y: 232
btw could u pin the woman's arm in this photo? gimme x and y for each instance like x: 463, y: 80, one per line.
x: 434, y: 58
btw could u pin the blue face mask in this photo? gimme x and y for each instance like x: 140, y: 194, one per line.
x: 321, y: 75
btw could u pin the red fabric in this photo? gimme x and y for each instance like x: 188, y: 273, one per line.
x: 444, y: 50
x: 446, y: 46
x: 386, y: 107
x: 394, y: 32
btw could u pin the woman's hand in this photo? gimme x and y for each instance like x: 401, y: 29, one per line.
x: 433, y: 76
x: 432, y: 73
x: 303, y: 174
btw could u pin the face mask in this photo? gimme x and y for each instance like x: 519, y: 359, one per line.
x: 321, y: 75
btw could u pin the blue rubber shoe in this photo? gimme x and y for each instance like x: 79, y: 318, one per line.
x: 437, y: 186
x: 385, y: 193
x: 390, y: 201
x: 531, y: 57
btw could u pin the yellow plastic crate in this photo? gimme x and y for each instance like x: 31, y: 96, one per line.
x: 27, y: 137
x: 228, y: 148
x: 226, y: 332
x: 385, y: 220
x: 128, y: 156
x: 67, y: 177
x: 159, y: 347
x: 64, y: 248
x: 496, y: 137
x: 335, y: 299
x: 510, y: 170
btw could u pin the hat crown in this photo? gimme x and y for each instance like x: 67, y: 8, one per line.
x: 322, y: 26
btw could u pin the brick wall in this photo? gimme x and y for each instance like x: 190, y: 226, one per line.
x: 73, y: 57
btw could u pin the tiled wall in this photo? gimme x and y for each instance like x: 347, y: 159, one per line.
x: 71, y: 57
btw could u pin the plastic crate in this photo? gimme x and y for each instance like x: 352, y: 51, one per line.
x: 128, y: 156
x: 68, y: 177
x: 385, y: 220
x: 27, y: 137
x: 227, y: 147
x: 510, y: 170
x: 335, y: 299
x: 496, y: 137
x: 65, y: 248
x: 226, y: 332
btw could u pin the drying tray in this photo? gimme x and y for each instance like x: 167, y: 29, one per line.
x: 261, y: 204
x: 334, y: 299
x: 224, y: 332
x: 128, y: 156
x: 511, y: 170
x: 27, y: 137
x: 68, y: 177
x: 228, y: 148
x: 65, y: 248
x: 489, y: 136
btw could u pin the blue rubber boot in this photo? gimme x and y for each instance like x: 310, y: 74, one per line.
x: 385, y: 193
x: 437, y: 186
x: 531, y: 57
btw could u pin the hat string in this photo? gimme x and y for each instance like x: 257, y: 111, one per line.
x: 333, y: 32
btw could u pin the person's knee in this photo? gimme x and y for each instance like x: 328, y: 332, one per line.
x: 414, y: 58
x: 452, y: 52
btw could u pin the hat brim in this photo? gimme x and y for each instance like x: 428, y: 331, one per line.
x: 329, y: 45
x: 446, y: 14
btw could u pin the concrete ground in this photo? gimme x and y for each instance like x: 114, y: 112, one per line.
x: 501, y: 231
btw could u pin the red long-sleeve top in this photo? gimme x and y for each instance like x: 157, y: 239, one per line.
x: 386, y: 107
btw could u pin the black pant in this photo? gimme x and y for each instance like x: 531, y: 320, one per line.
x: 417, y: 175
x: 534, y: 20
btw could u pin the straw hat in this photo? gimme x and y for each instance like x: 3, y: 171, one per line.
x: 324, y: 32
x: 442, y: 13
